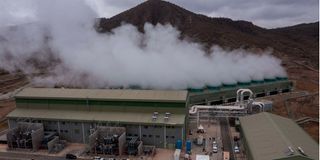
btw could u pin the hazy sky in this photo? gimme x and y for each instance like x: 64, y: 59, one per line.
x: 264, y: 13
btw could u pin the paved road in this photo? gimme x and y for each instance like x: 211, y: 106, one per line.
x: 22, y: 156
x: 225, y: 134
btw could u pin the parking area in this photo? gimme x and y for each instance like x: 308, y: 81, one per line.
x: 212, y: 133
x: 220, y: 132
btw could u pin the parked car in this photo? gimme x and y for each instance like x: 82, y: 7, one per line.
x: 96, y: 158
x: 71, y: 156
x: 236, y: 149
x: 214, y: 147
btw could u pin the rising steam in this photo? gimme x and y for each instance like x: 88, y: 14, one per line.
x: 56, y: 44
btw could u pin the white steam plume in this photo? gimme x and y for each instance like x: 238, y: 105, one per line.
x: 61, y: 35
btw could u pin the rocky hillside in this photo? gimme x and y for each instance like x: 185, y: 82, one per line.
x: 298, y: 42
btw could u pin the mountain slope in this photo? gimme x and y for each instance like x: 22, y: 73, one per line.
x: 221, y: 31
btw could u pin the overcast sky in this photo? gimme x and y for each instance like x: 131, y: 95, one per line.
x: 264, y: 13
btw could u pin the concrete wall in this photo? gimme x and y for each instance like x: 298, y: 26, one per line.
x: 78, y: 132
x: 122, y: 143
x: 52, y: 143
x: 37, y: 137
x: 140, y: 148
x: 92, y: 141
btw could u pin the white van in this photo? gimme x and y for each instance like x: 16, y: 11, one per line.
x: 214, y: 147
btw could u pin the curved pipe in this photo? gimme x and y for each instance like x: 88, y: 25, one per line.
x: 240, y: 95
x: 194, y: 109
x: 260, y: 104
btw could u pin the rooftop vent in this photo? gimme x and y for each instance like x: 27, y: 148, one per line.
x: 166, y: 118
x: 301, y: 151
x: 168, y: 114
x: 154, y: 118
x: 290, y: 151
x: 155, y: 113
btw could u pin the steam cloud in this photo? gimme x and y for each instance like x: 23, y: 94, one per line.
x: 57, y: 37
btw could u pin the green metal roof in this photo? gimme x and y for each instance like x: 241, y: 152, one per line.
x: 81, y: 115
x: 268, y: 136
x: 105, y: 94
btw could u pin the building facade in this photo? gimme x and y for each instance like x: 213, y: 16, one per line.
x: 156, y: 117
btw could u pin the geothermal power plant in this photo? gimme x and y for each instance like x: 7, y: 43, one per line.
x: 214, y: 122
x: 82, y: 87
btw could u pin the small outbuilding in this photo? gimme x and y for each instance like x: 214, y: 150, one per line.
x: 268, y: 136
x: 202, y: 157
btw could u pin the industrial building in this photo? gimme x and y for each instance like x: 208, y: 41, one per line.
x: 156, y: 117
x: 215, y: 95
x: 268, y: 136
x: 134, y: 122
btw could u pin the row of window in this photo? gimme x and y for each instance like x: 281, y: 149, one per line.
x: 135, y: 135
x: 146, y: 127
x: 157, y: 136
x: 51, y: 130
x: 62, y: 122
x: 76, y: 131
x: 150, y: 136
x: 103, y: 124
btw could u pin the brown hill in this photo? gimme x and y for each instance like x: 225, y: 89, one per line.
x: 297, y: 42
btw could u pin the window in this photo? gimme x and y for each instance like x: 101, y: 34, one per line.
x: 172, y: 137
x: 146, y: 127
x: 63, y: 122
x: 75, y: 123
x: 167, y: 136
x: 150, y: 136
x: 61, y: 131
x: 144, y: 135
x: 66, y: 131
x: 136, y: 135
x: 157, y: 126
x: 129, y: 134
x: 76, y: 131
x: 157, y: 136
